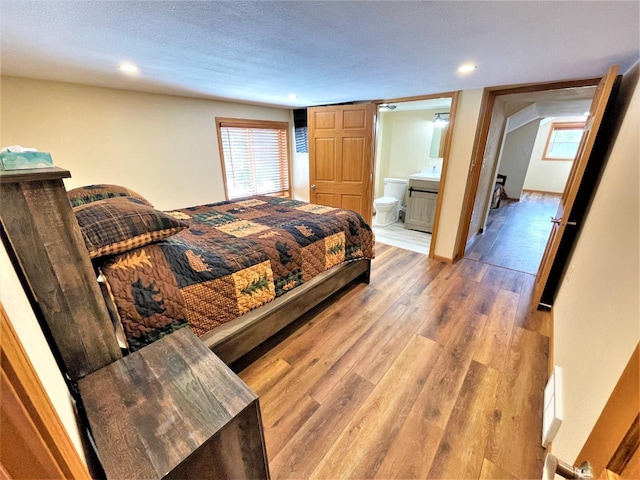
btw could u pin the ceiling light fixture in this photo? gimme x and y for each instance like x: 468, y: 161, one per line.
x: 441, y: 120
x: 292, y: 96
x: 467, y: 68
x: 128, y: 68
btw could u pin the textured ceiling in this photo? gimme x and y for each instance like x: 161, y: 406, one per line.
x: 325, y: 52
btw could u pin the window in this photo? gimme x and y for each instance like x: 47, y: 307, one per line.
x: 300, y: 130
x: 254, y: 156
x: 564, y: 140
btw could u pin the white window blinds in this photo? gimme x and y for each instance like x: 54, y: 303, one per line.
x: 255, y: 157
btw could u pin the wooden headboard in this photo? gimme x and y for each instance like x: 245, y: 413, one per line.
x: 43, y: 233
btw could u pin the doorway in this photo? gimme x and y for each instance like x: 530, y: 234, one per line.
x: 541, y: 136
x: 579, y: 188
x: 515, y: 121
x: 411, y: 148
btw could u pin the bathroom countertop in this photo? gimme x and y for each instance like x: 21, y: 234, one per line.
x: 426, y: 174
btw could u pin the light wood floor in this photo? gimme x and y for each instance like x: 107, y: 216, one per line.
x: 398, y: 236
x: 516, y: 233
x: 431, y: 371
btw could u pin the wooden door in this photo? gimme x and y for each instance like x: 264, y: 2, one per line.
x: 596, y: 112
x: 614, y: 442
x: 341, y: 157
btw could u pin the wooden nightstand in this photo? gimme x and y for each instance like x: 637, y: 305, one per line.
x: 174, y: 410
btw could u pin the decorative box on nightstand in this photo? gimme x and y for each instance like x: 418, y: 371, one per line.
x: 174, y: 410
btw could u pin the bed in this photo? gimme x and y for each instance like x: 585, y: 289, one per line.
x: 235, y: 272
x: 56, y: 252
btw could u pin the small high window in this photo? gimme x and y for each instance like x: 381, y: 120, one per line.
x: 254, y: 156
x: 301, y: 131
x: 563, y: 141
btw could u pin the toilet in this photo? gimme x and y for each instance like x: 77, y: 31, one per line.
x: 388, y: 206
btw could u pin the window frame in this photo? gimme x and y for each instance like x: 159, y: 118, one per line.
x: 222, y: 122
x: 555, y: 126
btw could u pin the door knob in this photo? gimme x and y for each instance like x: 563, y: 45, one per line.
x: 313, y: 187
x: 552, y: 466
x: 558, y: 220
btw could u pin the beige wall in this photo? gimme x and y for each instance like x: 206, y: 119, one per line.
x: 597, y: 313
x: 300, y: 176
x: 464, y: 131
x: 517, y: 148
x: 28, y: 330
x: 486, y: 179
x: 164, y: 147
x: 547, y: 175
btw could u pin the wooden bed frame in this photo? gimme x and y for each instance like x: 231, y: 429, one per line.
x: 48, y: 244
x: 237, y: 337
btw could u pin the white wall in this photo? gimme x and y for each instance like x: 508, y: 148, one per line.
x: 28, y: 330
x: 547, y: 175
x: 164, y: 147
x: 464, y: 132
x: 597, y: 312
x: 514, y: 159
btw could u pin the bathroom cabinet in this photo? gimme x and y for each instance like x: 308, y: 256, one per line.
x: 421, y: 207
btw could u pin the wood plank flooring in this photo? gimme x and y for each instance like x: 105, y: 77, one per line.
x: 431, y: 371
x: 516, y: 233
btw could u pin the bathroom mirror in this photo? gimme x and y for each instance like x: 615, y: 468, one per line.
x: 437, y: 141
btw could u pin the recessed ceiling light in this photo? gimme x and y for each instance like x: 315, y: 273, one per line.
x: 128, y: 68
x: 466, y: 68
x: 292, y: 96
x: 586, y: 114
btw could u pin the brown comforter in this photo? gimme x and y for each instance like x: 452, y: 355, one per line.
x: 234, y: 257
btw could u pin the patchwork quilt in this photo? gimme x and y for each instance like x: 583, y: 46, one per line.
x: 234, y: 257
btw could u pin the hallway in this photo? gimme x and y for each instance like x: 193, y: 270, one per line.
x: 516, y: 233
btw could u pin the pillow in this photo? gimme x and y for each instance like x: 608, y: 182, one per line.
x: 93, y: 193
x: 116, y: 225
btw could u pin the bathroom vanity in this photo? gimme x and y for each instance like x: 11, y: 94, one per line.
x: 423, y: 196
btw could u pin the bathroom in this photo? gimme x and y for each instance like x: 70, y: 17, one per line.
x: 410, y: 140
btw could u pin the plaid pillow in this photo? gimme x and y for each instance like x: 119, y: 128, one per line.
x: 93, y: 193
x: 116, y: 225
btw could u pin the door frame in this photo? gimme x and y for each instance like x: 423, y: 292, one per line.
x: 454, y: 95
x: 614, y: 438
x: 39, y: 422
x: 480, y: 144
